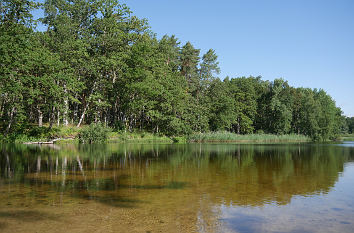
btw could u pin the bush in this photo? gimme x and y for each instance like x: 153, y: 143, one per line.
x: 179, y: 139
x: 94, y: 133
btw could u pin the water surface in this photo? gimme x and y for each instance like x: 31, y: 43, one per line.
x: 177, y: 188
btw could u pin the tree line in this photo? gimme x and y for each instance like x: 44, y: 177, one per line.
x: 97, y: 62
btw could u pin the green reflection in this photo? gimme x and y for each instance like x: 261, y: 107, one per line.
x: 245, y: 175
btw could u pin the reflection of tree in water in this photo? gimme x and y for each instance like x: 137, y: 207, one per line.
x: 255, y: 175
x: 230, y: 174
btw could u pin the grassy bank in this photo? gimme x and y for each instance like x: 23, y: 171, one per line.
x: 69, y: 134
x: 33, y: 133
x: 347, y: 137
x: 117, y: 137
x: 231, y: 137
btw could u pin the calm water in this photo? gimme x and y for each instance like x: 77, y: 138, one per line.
x: 177, y: 188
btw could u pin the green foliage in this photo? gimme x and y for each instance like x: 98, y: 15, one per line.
x: 94, y: 133
x: 208, y: 68
x: 244, y: 92
x: 350, y: 124
x: 222, y: 107
x: 189, y: 66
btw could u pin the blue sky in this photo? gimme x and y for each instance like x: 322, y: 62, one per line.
x: 310, y: 43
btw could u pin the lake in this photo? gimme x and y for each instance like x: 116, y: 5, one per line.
x: 177, y: 188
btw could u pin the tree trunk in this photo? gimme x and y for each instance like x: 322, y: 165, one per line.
x: 40, y: 117
x: 52, y: 118
x: 126, y: 124
x: 2, y: 109
x: 82, y: 115
x: 86, y: 106
x: 98, y: 114
x: 66, y: 107
x: 12, y: 116
x: 76, y: 109
x: 114, y: 77
x: 238, y: 126
x: 58, y: 118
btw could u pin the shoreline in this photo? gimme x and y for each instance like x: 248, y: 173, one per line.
x: 69, y: 135
x: 153, y: 138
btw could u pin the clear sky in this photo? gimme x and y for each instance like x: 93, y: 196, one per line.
x: 310, y: 43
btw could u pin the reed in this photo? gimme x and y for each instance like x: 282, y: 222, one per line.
x: 232, y: 137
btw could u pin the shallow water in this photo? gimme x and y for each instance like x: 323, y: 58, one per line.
x: 177, y: 188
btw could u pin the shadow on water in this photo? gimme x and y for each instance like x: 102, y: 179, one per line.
x: 110, y: 199
x: 3, y: 225
x: 29, y: 215
x: 107, y: 191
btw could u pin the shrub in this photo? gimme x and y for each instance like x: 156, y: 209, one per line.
x: 94, y: 133
x: 179, y: 139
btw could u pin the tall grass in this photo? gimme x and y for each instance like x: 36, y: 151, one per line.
x: 139, y: 137
x: 347, y: 137
x: 232, y: 137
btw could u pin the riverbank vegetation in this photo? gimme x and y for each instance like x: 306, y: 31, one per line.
x: 98, y: 63
x: 231, y: 137
x: 347, y: 137
x: 87, y: 134
x: 94, y: 133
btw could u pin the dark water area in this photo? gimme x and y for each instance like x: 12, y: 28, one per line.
x: 177, y: 188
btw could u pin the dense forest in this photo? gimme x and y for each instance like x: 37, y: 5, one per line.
x: 97, y: 62
x: 350, y: 125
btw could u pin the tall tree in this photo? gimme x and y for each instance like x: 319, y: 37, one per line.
x: 222, y: 113
x: 15, y: 49
x: 209, y: 67
x: 189, y: 66
x: 244, y: 94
